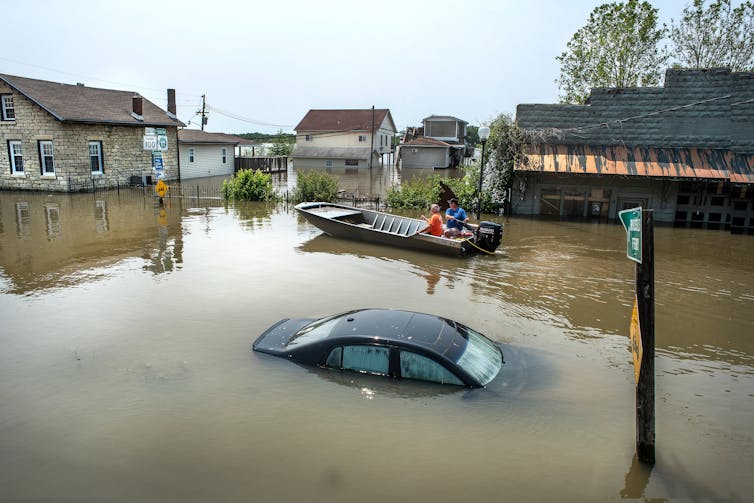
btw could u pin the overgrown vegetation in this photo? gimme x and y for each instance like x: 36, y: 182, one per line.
x: 315, y: 186
x: 269, y: 138
x: 249, y: 185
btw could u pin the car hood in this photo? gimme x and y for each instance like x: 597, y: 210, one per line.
x: 275, y: 338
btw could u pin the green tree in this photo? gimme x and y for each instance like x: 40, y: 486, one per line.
x: 315, y: 186
x: 503, y: 151
x: 618, y: 47
x: 718, y: 35
x: 280, y: 145
x: 472, y: 135
x: 249, y: 185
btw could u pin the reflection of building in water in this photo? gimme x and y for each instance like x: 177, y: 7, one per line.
x: 52, y: 216
x: 57, y: 237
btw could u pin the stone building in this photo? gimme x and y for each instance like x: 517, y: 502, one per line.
x: 65, y: 138
x: 685, y: 150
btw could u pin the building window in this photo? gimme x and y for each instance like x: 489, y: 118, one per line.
x: 308, y: 138
x: 16, y: 154
x: 8, y: 110
x: 328, y: 163
x: 46, y: 158
x: 191, y: 155
x: 362, y: 138
x: 225, y: 156
x: 95, y: 156
x: 352, y: 162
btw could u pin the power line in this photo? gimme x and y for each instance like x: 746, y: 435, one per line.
x: 231, y: 115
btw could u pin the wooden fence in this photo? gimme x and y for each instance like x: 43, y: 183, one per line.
x: 266, y: 164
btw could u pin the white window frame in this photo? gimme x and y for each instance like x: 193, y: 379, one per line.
x: 98, y: 145
x: 191, y: 154
x: 43, y: 156
x: 225, y: 155
x: 328, y: 163
x: 15, y: 169
x: 362, y: 138
x: 8, y: 108
x: 308, y: 137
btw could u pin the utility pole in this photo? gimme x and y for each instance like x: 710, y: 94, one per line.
x: 371, y: 142
x: 203, y: 112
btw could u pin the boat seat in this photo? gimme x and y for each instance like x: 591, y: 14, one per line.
x: 393, y: 224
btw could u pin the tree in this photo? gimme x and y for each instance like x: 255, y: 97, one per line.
x: 472, y: 135
x: 280, y: 146
x: 503, y: 151
x: 618, y: 47
x: 716, y: 36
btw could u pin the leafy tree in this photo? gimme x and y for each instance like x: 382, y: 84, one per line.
x: 618, y: 47
x: 503, y: 151
x: 718, y: 35
x: 472, y: 135
x: 280, y: 146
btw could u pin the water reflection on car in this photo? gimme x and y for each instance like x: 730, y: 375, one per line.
x: 393, y: 343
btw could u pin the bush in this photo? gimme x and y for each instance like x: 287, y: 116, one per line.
x: 315, y: 186
x: 414, y: 194
x: 249, y: 185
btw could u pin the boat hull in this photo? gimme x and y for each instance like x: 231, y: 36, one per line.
x: 380, y: 228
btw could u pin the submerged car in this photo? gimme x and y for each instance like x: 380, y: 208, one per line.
x: 398, y: 344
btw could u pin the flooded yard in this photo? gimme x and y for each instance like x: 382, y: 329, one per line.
x: 126, y: 369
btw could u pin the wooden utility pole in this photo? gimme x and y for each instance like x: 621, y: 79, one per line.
x: 645, y: 387
x: 639, y: 225
x: 203, y: 112
x: 371, y: 142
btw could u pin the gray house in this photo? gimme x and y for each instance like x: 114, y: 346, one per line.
x: 440, y: 143
x: 62, y: 137
x: 685, y: 150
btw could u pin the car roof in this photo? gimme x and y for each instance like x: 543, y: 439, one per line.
x: 400, y: 327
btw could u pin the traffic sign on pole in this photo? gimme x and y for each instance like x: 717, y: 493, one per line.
x: 631, y: 220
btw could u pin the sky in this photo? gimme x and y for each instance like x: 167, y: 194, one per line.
x: 262, y: 65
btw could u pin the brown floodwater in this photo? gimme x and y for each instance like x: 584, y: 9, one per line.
x: 126, y: 372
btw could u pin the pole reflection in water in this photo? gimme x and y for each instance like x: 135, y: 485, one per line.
x: 126, y: 369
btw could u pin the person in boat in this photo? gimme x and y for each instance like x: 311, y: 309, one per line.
x: 456, y: 217
x: 435, y: 221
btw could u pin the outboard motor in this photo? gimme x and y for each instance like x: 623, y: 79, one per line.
x: 488, y: 236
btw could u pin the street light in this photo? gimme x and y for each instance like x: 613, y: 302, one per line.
x: 484, y: 133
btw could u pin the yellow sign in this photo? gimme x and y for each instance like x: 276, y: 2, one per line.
x: 635, y: 332
x: 160, y: 188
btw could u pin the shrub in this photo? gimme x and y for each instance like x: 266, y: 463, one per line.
x: 315, y: 186
x: 414, y: 194
x: 249, y: 185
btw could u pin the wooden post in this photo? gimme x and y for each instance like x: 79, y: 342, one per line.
x: 645, y: 387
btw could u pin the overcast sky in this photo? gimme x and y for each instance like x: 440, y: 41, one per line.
x: 269, y: 62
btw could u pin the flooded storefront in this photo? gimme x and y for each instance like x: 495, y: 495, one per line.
x: 126, y: 371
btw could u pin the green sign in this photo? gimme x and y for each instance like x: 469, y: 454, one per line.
x: 631, y: 220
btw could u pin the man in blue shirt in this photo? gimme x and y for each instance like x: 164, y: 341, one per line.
x: 455, y: 217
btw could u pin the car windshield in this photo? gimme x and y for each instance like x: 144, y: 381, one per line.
x: 315, y: 331
x: 481, y: 358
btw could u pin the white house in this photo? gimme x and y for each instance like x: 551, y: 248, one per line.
x: 439, y: 143
x: 343, y: 138
x: 206, y: 154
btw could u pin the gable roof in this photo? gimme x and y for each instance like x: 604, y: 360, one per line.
x: 78, y: 103
x: 344, y: 120
x: 199, y: 136
x: 425, y: 141
x: 443, y: 118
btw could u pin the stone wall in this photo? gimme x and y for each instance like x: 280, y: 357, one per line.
x: 122, y: 152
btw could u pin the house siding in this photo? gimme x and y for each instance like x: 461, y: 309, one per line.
x: 208, y: 160
x: 424, y: 157
x: 122, y: 151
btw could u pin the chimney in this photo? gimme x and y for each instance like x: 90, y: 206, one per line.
x: 137, y: 103
x: 79, y: 84
x: 171, y: 103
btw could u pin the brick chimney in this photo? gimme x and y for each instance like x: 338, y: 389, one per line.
x: 171, y: 103
x: 138, y: 105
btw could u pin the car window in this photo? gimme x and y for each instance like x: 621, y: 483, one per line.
x: 371, y: 359
x: 334, y: 358
x: 481, y: 358
x: 414, y: 366
x: 315, y: 331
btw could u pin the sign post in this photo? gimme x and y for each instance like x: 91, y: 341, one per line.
x: 639, y: 225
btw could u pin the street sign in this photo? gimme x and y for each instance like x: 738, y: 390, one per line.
x: 631, y: 220
x: 150, y: 142
x: 162, y: 142
x: 635, y: 337
x: 161, y: 188
x: 157, y: 163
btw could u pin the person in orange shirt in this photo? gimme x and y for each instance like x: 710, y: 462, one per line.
x: 434, y: 221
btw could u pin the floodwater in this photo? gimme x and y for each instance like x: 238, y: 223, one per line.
x: 126, y: 372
